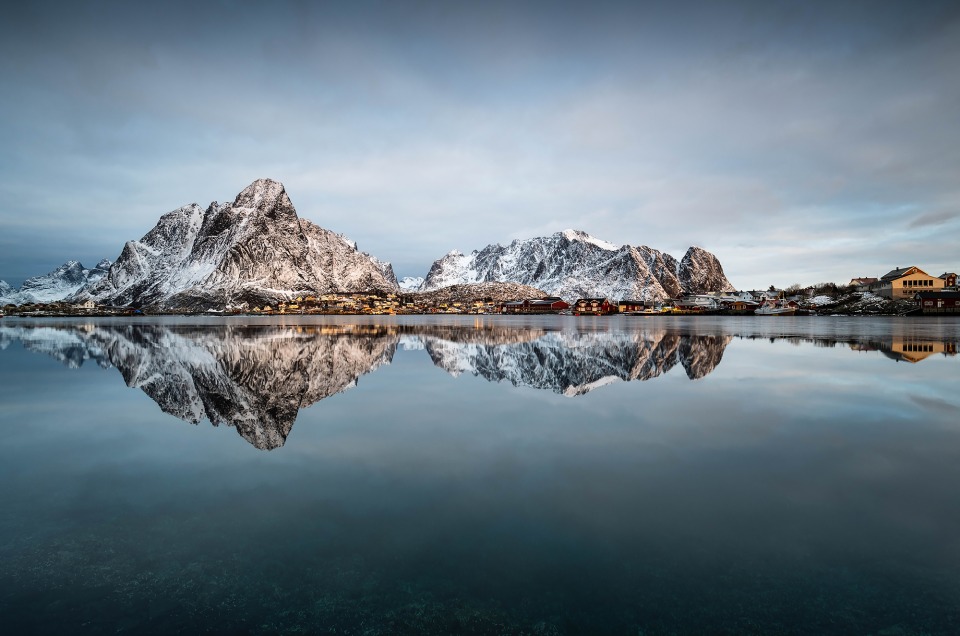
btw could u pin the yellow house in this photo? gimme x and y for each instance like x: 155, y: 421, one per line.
x: 905, y: 282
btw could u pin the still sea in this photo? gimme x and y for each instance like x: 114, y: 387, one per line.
x: 480, y: 475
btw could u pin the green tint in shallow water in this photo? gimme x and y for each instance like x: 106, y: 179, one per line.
x: 547, y: 476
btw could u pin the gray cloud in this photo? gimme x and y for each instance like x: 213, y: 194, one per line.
x: 800, y: 143
x: 934, y: 218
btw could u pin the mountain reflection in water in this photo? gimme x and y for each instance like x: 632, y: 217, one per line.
x: 256, y: 377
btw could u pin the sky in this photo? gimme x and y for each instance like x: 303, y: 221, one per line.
x: 800, y: 142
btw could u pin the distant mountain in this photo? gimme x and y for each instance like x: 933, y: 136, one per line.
x: 252, y: 251
x: 411, y: 283
x: 572, y: 264
x: 54, y: 286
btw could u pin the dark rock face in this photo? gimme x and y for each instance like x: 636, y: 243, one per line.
x: 700, y: 272
x: 573, y: 264
x: 252, y: 251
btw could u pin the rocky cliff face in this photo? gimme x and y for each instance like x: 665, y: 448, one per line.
x: 54, y: 286
x: 252, y: 251
x: 573, y: 264
x: 700, y: 272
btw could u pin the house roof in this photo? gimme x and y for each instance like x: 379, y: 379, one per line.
x: 895, y: 273
x: 898, y: 273
x: 592, y: 300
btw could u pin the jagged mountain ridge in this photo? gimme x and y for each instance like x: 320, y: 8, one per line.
x: 252, y: 251
x: 54, y: 286
x: 572, y: 264
x: 411, y: 283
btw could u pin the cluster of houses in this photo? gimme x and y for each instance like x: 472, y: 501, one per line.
x: 932, y: 294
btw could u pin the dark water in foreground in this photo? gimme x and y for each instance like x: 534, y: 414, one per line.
x: 459, y: 476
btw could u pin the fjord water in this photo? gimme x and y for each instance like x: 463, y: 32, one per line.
x: 553, y: 475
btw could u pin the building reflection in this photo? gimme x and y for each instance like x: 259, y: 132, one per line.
x: 913, y: 350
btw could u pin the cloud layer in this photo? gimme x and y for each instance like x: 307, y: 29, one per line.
x: 800, y: 142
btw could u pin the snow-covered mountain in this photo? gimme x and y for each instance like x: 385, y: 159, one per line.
x: 54, y: 286
x: 411, y: 283
x: 6, y: 291
x: 254, y: 251
x: 572, y: 264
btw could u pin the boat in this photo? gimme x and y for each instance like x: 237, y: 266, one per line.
x: 775, y: 308
x: 646, y: 311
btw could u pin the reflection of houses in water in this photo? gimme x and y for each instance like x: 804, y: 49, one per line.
x: 909, y: 347
x: 914, y: 349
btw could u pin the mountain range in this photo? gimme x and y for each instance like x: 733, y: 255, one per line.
x: 256, y: 250
x: 572, y: 264
x: 54, y: 286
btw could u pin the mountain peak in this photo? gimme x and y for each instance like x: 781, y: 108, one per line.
x: 254, y: 251
x: 580, y: 235
x: 260, y: 193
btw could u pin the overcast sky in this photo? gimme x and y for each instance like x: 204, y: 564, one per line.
x: 800, y: 142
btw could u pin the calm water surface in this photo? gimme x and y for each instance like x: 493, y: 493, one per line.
x: 619, y: 475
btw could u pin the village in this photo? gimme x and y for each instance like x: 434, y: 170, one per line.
x: 902, y: 291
